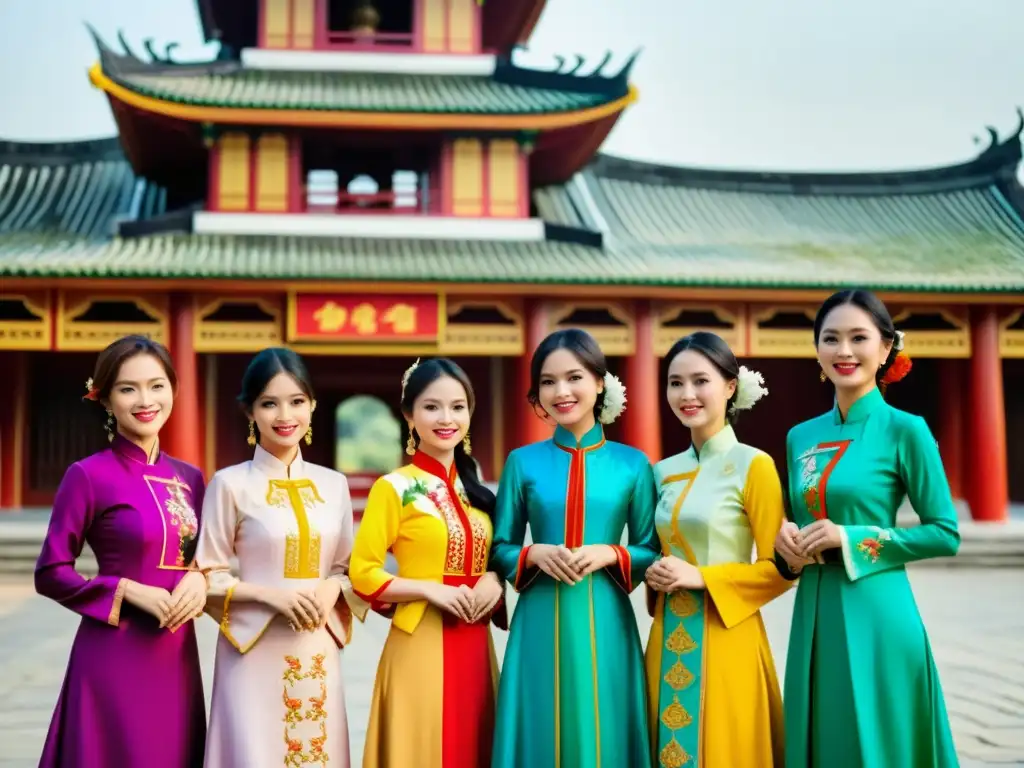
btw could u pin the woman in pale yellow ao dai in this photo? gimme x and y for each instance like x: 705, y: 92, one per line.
x: 713, y: 694
x: 278, y: 698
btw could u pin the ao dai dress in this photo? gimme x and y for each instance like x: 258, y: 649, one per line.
x: 433, y: 698
x: 862, y: 690
x: 133, y: 692
x: 277, y: 693
x: 572, y: 684
x: 712, y: 690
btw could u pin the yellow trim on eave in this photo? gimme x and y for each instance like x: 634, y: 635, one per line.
x: 348, y: 119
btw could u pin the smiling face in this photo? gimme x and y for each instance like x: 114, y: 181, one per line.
x: 282, y: 413
x: 697, y: 392
x: 440, y: 417
x: 141, y: 398
x: 567, y: 390
x: 851, y: 348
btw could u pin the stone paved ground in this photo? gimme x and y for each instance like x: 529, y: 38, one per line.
x: 974, y: 619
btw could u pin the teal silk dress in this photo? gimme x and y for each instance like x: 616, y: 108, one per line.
x: 572, y: 682
x: 861, y: 689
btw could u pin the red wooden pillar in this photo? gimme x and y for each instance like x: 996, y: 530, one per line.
x: 952, y: 410
x: 183, y: 439
x: 532, y: 428
x: 641, y: 422
x: 13, y: 422
x: 987, y: 470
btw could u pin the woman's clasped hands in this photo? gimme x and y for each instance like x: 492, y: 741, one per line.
x: 569, y: 566
x: 804, y: 546
x: 671, y: 574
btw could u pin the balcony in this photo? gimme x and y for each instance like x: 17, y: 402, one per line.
x: 362, y: 25
x: 409, y: 194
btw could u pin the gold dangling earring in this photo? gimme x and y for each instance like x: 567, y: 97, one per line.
x: 251, y: 439
x: 467, y: 446
x: 309, y: 435
x: 410, y: 445
x: 109, y: 426
x: 821, y: 376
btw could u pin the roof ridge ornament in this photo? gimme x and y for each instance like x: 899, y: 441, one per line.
x: 567, y: 78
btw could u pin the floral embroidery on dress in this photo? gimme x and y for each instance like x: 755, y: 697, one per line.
x: 871, y: 546
x: 816, y: 465
x: 418, y: 488
x: 455, y: 561
x: 295, y: 748
x: 183, y: 518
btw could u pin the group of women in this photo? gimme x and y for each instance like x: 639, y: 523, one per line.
x: 268, y: 550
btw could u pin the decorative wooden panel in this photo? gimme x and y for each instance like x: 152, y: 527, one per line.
x: 463, y: 21
x: 676, y: 320
x: 272, y: 173
x: 303, y: 21
x: 609, y: 322
x: 434, y: 26
x: 26, y: 320
x: 233, y: 172
x: 237, y: 324
x: 935, y: 332
x: 503, y: 177
x: 781, y: 331
x: 484, y: 328
x: 1011, y: 335
x: 467, y: 178
x: 89, y: 322
x: 276, y: 23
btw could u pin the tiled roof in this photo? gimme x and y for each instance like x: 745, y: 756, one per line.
x: 662, y: 227
x: 511, y: 90
x: 50, y: 193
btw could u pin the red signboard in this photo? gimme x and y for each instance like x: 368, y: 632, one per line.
x: 366, y: 317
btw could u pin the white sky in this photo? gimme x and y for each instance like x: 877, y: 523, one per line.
x: 787, y: 85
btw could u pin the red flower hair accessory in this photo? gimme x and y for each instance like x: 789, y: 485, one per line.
x: 91, y: 393
x: 899, y: 369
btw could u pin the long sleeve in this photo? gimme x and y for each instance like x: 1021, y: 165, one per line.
x: 216, y: 548
x: 377, y: 533
x: 869, y: 549
x: 739, y: 590
x: 642, y: 548
x: 98, y: 598
x: 340, y: 623
x: 508, y: 555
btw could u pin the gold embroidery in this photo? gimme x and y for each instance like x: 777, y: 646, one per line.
x: 683, y: 604
x: 302, y: 549
x: 675, y: 716
x: 479, y: 542
x: 680, y: 642
x: 455, y: 560
x: 183, y: 517
x: 673, y: 755
x: 295, y: 753
x: 679, y: 677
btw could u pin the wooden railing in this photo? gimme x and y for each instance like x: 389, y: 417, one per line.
x: 412, y: 203
x: 368, y: 41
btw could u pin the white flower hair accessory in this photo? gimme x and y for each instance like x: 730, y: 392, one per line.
x: 408, y: 374
x: 898, y: 341
x: 614, y: 399
x: 749, y: 389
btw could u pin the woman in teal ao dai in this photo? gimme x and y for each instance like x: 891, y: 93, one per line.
x: 572, y: 683
x: 861, y: 689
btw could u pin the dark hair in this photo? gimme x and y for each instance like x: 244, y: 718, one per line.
x: 876, y: 310
x: 110, y: 360
x: 713, y: 347
x: 583, y: 347
x: 265, y: 366
x: 425, y: 374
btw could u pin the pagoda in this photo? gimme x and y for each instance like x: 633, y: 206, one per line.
x: 370, y: 181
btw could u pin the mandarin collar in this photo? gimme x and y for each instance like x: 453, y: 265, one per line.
x: 862, y: 408
x: 429, y: 464
x: 592, y: 439
x: 122, y: 446
x: 276, y: 469
x: 722, y: 442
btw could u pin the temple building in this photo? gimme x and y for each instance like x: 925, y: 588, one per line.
x: 369, y: 182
